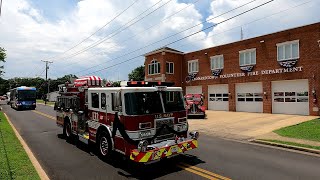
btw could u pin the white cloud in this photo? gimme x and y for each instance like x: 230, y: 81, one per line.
x: 29, y: 36
x: 293, y: 14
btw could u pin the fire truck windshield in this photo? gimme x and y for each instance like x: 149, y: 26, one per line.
x: 173, y: 101
x: 139, y: 103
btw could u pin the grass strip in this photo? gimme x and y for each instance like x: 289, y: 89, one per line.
x: 309, y: 130
x: 14, y: 162
x: 292, y: 144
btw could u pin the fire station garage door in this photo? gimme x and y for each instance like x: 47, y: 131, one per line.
x: 193, y: 89
x: 290, y: 97
x: 249, y: 97
x: 218, y: 97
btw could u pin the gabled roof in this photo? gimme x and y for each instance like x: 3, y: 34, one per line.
x: 163, y: 49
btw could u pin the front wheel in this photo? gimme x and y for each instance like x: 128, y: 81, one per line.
x: 104, y: 146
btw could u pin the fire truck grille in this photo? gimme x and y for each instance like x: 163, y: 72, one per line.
x: 165, y: 133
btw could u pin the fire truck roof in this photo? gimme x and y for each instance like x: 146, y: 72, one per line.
x: 137, y: 89
x: 144, y: 84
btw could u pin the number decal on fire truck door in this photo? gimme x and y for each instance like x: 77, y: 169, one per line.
x: 95, y: 116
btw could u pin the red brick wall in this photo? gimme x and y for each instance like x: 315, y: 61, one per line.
x: 266, y: 58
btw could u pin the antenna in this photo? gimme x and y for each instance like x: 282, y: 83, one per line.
x: 241, y: 35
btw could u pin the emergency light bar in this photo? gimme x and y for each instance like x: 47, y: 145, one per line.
x: 144, y: 84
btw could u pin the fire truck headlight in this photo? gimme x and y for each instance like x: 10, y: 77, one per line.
x: 144, y: 134
x: 142, y: 146
x: 194, y: 134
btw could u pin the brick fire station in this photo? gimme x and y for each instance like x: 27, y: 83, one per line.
x: 274, y: 73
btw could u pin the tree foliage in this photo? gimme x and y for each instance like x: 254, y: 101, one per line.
x: 137, y: 74
x: 3, y: 56
x: 39, y: 83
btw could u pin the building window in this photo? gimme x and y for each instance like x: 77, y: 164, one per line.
x: 247, y: 57
x: 288, y: 50
x: 250, y: 97
x: 95, y: 100
x: 193, y: 66
x: 216, y: 62
x: 169, y: 68
x: 154, y: 67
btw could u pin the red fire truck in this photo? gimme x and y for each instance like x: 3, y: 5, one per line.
x: 145, y: 121
x: 195, y: 105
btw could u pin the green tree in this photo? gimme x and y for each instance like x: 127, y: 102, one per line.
x: 137, y: 74
x: 3, y: 56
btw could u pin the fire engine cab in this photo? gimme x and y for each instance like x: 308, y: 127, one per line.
x: 145, y: 121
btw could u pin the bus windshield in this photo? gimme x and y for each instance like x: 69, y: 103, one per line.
x: 139, y: 103
x: 26, y: 95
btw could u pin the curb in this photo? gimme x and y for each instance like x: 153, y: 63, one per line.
x: 42, y: 174
x: 286, y: 146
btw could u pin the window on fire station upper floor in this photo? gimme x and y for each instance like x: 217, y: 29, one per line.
x: 154, y: 67
x: 169, y: 68
x: 216, y: 62
x: 288, y: 50
x: 95, y: 100
x: 193, y: 66
x: 247, y: 57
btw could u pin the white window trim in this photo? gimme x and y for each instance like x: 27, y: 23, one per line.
x: 151, y: 63
x: 169, y: 67
x: 286, y: 43
x: 217, y: 56
x: 247, y: 51
x: 190, y: 62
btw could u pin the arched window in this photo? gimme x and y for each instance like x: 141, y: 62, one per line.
x: 154, y: 67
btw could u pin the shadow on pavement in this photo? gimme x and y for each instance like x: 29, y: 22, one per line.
x: 130, y: 169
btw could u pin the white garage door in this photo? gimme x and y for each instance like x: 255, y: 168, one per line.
x: 218, y: 97
x: 249, y: 97
x: 193, y: 89
x: 290, y: 97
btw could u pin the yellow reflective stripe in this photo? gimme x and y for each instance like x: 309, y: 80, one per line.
x: 158, y: 154
x: 146, y: 157
x: 195, y: 142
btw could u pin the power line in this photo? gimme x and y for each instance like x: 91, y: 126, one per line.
x: 144, y: 30
x: 117, y: 32
x: 253, y: 21
x: 172, y: 35
x: 119, y: 14
x: 191, y: 34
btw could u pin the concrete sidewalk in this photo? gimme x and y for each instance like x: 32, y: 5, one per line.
x: 243, y: 125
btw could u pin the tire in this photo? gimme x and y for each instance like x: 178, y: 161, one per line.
x: 104, y: 146
x: 67, y: 132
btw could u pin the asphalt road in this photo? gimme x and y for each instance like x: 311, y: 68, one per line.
x: 216, y: 158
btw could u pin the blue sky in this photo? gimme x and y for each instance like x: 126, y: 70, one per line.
x: 35, y: 30
x: 54, y: 10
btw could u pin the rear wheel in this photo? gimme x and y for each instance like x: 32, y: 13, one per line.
x: 104, y: 145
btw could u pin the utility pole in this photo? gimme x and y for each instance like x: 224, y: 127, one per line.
x: 0, y: 6
x: 47, y: 67
x: 241, y: 35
